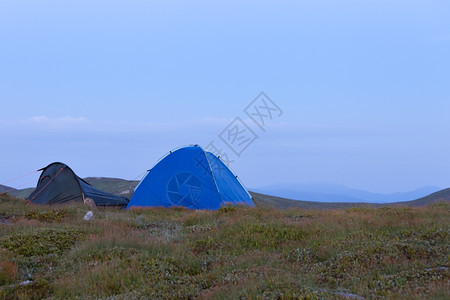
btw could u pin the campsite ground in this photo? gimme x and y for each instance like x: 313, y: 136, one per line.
x: 394, y: 252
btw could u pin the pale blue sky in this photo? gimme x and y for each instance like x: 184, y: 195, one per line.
x: 109, y: 86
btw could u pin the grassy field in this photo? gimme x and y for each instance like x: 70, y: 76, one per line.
x: 389, y: 252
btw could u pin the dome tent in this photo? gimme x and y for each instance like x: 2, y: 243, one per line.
x: 59, y: 184
x: 190, y: 177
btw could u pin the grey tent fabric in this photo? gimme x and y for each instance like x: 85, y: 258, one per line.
x: 59, y: 184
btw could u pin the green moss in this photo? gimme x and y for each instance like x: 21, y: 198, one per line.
x: 40, y: 242
x: 204, y: 244
x: 48, y: 216
x: 263, y: 236
x: 39, y: 289
x: 227, y: 209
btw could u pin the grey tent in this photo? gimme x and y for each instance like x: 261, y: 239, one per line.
x: 59, y: 184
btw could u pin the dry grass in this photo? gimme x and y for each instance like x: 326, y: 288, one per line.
x: 396, y: 252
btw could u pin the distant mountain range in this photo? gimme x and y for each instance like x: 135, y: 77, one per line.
x: 267, y: 201
x: 329, y: 192
x: 23, y: 193
x: 114, y: 186
x: 325, y: 199
x: 440, y: 196
x: 4, y: 188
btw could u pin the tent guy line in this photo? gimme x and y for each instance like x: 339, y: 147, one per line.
x: 19, y: 177
x: 53, y: 178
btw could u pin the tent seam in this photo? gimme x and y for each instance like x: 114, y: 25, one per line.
x: 213, y: 176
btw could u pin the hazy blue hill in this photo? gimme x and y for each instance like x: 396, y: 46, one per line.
x: 267, y: 201
x: 23, y: 193
x: 4, y: 188
x: 126, y: 188
x: 440, y: 196
x: 115, y: 186
x: 329, y: 192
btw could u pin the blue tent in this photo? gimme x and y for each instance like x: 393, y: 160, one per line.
x: 190, y: 177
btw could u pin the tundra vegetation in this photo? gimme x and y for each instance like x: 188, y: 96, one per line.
x: 235, y: 252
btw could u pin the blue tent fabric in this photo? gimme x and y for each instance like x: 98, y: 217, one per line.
x: 192, y: 178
